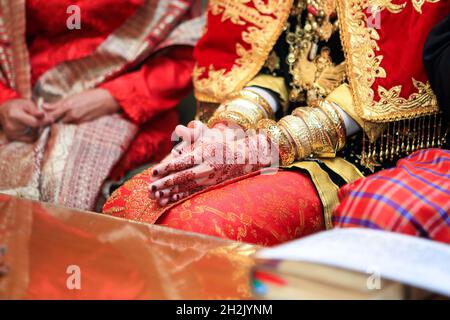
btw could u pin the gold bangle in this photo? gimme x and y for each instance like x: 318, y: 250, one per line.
x: 247, y: 108
x: 278, y: 137
x: 322, y: 142
x: 327, y: 132
x: 328, y: 128
x: 258, y: 100
x: 331, y: 111
x: 229, y: 116
x: 300, y: 135
x: 312, y: 124
x: 240, y: 111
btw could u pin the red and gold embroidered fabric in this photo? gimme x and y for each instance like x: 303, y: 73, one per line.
x: 261, y: 209
x: 383, y: 42
x: 239, y: 37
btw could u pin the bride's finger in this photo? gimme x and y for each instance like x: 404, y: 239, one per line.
x: 163, y: 202
x: 183, y: 162
x: 166, y: 193
x: 180, y: 148
x: 185, y: 180
x: 178, y: 196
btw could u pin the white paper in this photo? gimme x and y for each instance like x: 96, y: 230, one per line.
x: 410, y: 260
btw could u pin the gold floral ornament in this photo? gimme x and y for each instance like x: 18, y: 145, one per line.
x: 313, y: 74
x: 318, y: 77
x: 390, y: 99
x: 273, y: 62
x: 419, y: 3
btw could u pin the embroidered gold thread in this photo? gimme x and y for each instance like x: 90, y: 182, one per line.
x: 364, y: 66
x: 215, y: 85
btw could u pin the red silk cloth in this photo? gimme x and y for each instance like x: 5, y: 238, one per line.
x: 412, y: 198
x: 145, y: 102
x: 261, y: 209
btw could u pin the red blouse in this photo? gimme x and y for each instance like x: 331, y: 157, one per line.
x: 146, y: 95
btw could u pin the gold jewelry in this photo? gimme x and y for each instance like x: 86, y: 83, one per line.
x: 279, y: 138
x: 331, y: 111
x: 230, y: 117
x: 314, y: 75
x: 257, y: 99
x: 323, y: 136
x: 245, y: 110
x: 300, y: 135
x: 314, y: 126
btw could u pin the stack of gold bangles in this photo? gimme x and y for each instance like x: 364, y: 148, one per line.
x: 245, y: 110
x: 315, y: 131
x: 318, y: 131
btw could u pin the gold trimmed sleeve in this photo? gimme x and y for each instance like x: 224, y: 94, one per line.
x: 343, y: 97
x: 275, y: 84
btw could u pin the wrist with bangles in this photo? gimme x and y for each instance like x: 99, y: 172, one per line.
x: 245, y: 110
x: 316, y: 131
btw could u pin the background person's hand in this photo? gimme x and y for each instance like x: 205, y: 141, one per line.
x: 21, y: 120
x: 83, y: 107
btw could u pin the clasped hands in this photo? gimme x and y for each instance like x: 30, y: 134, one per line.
x: 206, y: 157
x: 21, y: 119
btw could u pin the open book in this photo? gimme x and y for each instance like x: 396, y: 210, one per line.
x: 353, y: 264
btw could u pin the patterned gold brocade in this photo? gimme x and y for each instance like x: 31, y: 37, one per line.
x: 364, y: 67
x: 263, y: 25
x: 12, y: 30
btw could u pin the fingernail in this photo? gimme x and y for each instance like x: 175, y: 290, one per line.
x: 161, y: 194
x: 153, y: 188
x: 155, y: 172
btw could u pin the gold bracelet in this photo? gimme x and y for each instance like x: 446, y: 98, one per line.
x: 279, y: 138
x: 247, y: 108
x: 230, y: 117
x: 323, y: 144
x: 328, y: 128
x: 240, y: 111
x: 300, y: 135
x: 313, y: 125
x: 331, y: 111
x: 258, y: 100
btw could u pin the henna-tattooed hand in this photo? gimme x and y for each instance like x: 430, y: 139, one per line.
x: 197, y: 133
x: 210, y: 161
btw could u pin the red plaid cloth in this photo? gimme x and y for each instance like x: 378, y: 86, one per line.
x: 412, y: 198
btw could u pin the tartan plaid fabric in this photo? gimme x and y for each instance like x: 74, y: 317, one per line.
x: 412, y: 198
